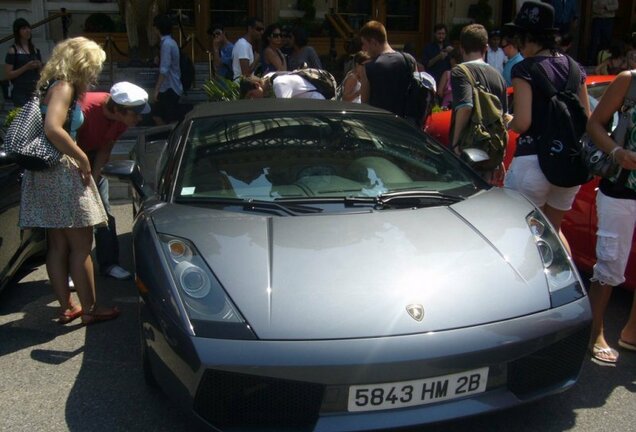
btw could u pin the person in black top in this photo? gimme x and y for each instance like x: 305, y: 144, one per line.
x: 436, y: 58
x: 23, y: 63
x: 384, y: 80
x: 616, y: 210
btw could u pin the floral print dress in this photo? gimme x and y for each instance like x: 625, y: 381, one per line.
x: 57, y: 197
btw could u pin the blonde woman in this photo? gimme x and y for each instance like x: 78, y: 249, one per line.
x: 64, y: 199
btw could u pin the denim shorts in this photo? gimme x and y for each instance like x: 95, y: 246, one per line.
x: 616, y: 221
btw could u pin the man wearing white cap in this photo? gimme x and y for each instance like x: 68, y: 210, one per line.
x: 106, y: 118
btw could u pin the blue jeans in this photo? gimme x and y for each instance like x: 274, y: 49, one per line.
x: 106, y: 243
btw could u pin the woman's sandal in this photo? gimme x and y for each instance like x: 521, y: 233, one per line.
x: 70, y: 315
x: 96, y: 316
x: 605, y: 355
x: 627, y: 345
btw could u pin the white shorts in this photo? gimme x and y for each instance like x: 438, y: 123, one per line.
x: 616, y: 221
x: 524, y: 175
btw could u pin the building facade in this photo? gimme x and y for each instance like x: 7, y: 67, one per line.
x: 330, y: 22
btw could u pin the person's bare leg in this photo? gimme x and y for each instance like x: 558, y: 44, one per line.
x: 80, y: 241
x: 57, y: 256
x: 628, y: 334
x: 599, y: 299
x: 81, y: 266
x: 556, y: 217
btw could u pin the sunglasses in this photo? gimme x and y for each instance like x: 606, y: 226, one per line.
x: 285, y: 35
x: 259, y: 28
x: 276, y: 35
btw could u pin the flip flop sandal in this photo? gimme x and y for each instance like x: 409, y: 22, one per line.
x: 601, y: 354
x: 97, y: 317
x: 69, y: 315
x: 626, y: 345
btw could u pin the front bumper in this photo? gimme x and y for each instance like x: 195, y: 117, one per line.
x: 304, y: 384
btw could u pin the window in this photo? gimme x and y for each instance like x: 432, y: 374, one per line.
x: 402, y: 15
x: 356, y: 12
x: 229, y: 13
x: 185, y: 9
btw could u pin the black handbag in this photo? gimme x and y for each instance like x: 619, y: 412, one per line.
x: 598, y: 162
x: 26, y: 142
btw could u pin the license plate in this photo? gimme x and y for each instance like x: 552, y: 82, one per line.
x: 402, y: 394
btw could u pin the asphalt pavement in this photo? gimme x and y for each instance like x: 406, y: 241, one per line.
x: 75, y: 378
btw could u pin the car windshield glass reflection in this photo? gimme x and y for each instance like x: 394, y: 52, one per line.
x: 314, y: 157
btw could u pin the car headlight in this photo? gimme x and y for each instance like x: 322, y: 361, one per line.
x: 563, y: 280
x: 200, y: 291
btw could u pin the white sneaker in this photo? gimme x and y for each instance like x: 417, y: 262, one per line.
x: 118, y: 272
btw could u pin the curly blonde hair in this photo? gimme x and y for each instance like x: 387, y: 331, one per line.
x: 77, y: 60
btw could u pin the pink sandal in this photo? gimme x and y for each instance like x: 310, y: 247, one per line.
x: 95, y: 316
x: 70, y: 315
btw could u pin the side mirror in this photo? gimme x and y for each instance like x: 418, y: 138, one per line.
x: 5, y: 159
x: 128, y: 171
x: 474, y: 156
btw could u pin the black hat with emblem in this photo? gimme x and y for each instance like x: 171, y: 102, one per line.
x: 534, y: 17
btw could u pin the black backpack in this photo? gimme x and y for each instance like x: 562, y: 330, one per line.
x: 559, y: 137
x: 324, y: 82
x: 420, y: 97
x: 187, y: 70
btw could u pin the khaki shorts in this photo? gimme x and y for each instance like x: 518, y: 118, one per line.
x: 616, y: 220
x: 525, y: 176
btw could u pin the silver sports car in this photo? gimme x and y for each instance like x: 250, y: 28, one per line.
x: 323, y: 266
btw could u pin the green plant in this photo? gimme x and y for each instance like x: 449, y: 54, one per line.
x: 221, y: 89
x: 10, y: 116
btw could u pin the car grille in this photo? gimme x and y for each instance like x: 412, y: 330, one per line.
x: 549, y: 367
x: 227, y: 399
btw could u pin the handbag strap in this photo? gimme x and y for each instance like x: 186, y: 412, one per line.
x: 623, y: 121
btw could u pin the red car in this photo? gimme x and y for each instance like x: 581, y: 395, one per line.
x: 579, y: 225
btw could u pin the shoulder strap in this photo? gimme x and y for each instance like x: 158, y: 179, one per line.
x: 546, y: 87
x: 541, y: 79
x: 630, y: 98
x: 15, y: 57
x: 574, y: 75
x: 410, y: 66
x: 468, y: 74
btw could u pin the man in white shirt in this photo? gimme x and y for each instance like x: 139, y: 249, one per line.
x: 244, y: 59
x: 283, y: 85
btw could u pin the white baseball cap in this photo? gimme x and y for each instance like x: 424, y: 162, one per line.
x: 131, y: 96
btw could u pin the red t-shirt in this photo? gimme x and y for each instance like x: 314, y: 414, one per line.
x: 97, y: 131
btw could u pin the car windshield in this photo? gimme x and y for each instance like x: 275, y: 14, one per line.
x: 313, y: 157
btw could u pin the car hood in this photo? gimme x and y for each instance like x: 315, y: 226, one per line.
x: 355, y: 275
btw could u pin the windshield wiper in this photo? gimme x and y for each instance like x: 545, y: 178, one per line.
x: 258, y: 205
x: 418, y: 194
x: 406, y: 198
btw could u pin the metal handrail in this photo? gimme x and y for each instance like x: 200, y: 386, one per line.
x: 109, y: 45
x: 65, y: 16
x: 192, y: 38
